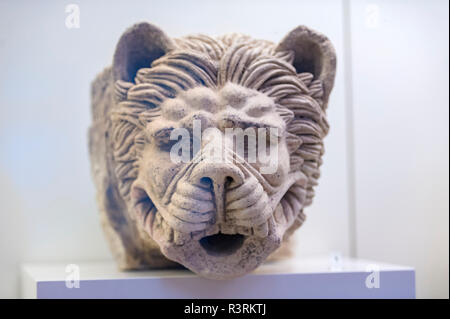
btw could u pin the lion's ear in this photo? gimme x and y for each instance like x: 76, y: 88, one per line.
x: 138, y: 47
x: 313, y: 53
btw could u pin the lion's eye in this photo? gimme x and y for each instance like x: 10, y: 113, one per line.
x: 269, y: 135
x: 167, y: 138
x: 162, y: 138
x: 166, y: 144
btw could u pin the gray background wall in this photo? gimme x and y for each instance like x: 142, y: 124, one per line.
x: 383, y: 194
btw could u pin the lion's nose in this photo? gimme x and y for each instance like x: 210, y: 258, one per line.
x: 218, y: 176
x: 217, y: 173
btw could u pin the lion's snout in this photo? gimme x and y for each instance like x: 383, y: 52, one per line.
x: 220, y: 197
x: 216, y: 174
x: 200, y: 197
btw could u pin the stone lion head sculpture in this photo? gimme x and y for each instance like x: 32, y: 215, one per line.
x: 221, y: 219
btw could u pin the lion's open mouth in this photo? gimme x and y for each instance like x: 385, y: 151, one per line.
x: 222, y: 244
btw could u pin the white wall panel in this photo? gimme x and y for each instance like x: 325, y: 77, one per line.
x: 401, y: 108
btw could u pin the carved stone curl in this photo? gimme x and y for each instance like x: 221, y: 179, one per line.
x: 219, y: 219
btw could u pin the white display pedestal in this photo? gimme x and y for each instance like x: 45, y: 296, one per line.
x: 306, y: 278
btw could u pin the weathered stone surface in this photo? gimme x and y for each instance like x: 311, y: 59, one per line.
x: 219, y: 218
